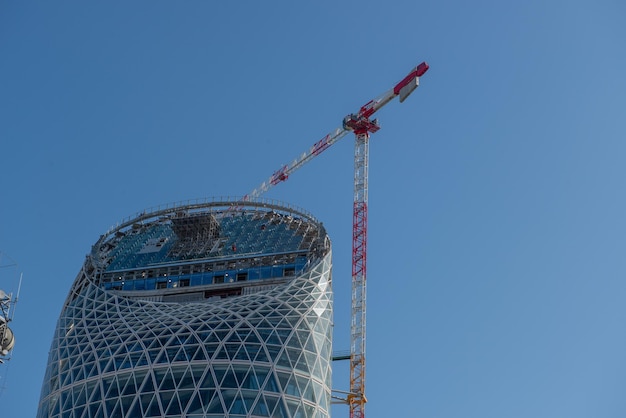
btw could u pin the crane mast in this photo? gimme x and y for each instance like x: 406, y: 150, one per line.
x: 356, y: 398
x: 361, y: 125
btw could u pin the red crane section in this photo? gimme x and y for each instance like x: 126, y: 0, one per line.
x: 361, y: 124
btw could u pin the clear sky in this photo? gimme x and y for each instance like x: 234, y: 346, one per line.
x: 497, y: 223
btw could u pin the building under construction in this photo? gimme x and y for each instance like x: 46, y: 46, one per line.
x: 217, y: 308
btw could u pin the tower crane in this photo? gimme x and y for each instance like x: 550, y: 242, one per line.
x: 361, y: 125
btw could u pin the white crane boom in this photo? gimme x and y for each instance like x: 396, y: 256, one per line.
x: 285, y: 171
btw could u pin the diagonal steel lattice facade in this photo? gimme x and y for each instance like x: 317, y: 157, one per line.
x: 263, y: 351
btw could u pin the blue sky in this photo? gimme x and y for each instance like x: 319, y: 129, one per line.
x: 496, y: 268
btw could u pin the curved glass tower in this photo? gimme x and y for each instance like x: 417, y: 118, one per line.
x: 210, y: 309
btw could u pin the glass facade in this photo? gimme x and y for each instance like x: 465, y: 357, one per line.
x: 217, y: 337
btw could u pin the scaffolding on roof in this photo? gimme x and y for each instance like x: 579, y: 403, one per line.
x: 197, y: 233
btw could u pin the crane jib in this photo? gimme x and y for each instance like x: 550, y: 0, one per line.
x: 321, y: 145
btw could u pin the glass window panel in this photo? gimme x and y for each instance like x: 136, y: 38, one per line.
x: 93, y: 391
x: 283, y: 378
x: 294, y: 342
x: 215, y: 406
x: 197, y: 371
x: 178, y: 374
x: 308, y: 394
x: 220, y: 334
x: 303, y: 383
x: 153, y: 409
x: 221, y: 354
x: 135, y: 411
x: 252, y: 349
x: 174, y: 407
x: 110, y: 387
x: 273, y: 339
x: 126, y: 363
x: 171, y: 353
x: 291, y: 388
x: 220, y: 371
x: 164, y: 379
x: 232, y: 349
x: 273, y: 351
x: 185, y: 397
x: 317, y: 369
x: 229, y: 397
x: 148, y: 385
x: 310, y: 345
x: 66, y: 400
x: 161, y: 357
x: 280, y: 411
x: 107, y: 367
x: 283, y: 360
x: 242, y: 354
x: 238, y: 407
x: 271, y: 385
x: 309, y: 410
x: 141, y: 361
x: 127, y: 384
x: 125, y: 403
x: 261, y: 408
x: 166, y: 397
x: 79, y: 395
x: 195, y: 406
x: 112, y: 406
x: 294, y: 408
x: 311, y: 358
x: 78, y: 374
x: 250, y: 381
x: 208, y: 381
x: 207, y: 396
x: 234, y: 338
x: 302, y: 364
x: 95, y: 410
x: 78, y: 411
x: 199, y: 354
x: 181, y: 355
x: 240, y: 373
x: 229, y: 380
x: 261, y: 373
x: 186, y: 381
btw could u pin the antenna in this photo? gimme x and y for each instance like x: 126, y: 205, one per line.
x: 8, y: 272
x: 7, y: 311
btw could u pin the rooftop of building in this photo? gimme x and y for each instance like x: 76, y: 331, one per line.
x: 220, y: 245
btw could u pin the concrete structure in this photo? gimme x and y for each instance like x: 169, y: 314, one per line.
x: 206, y: 309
